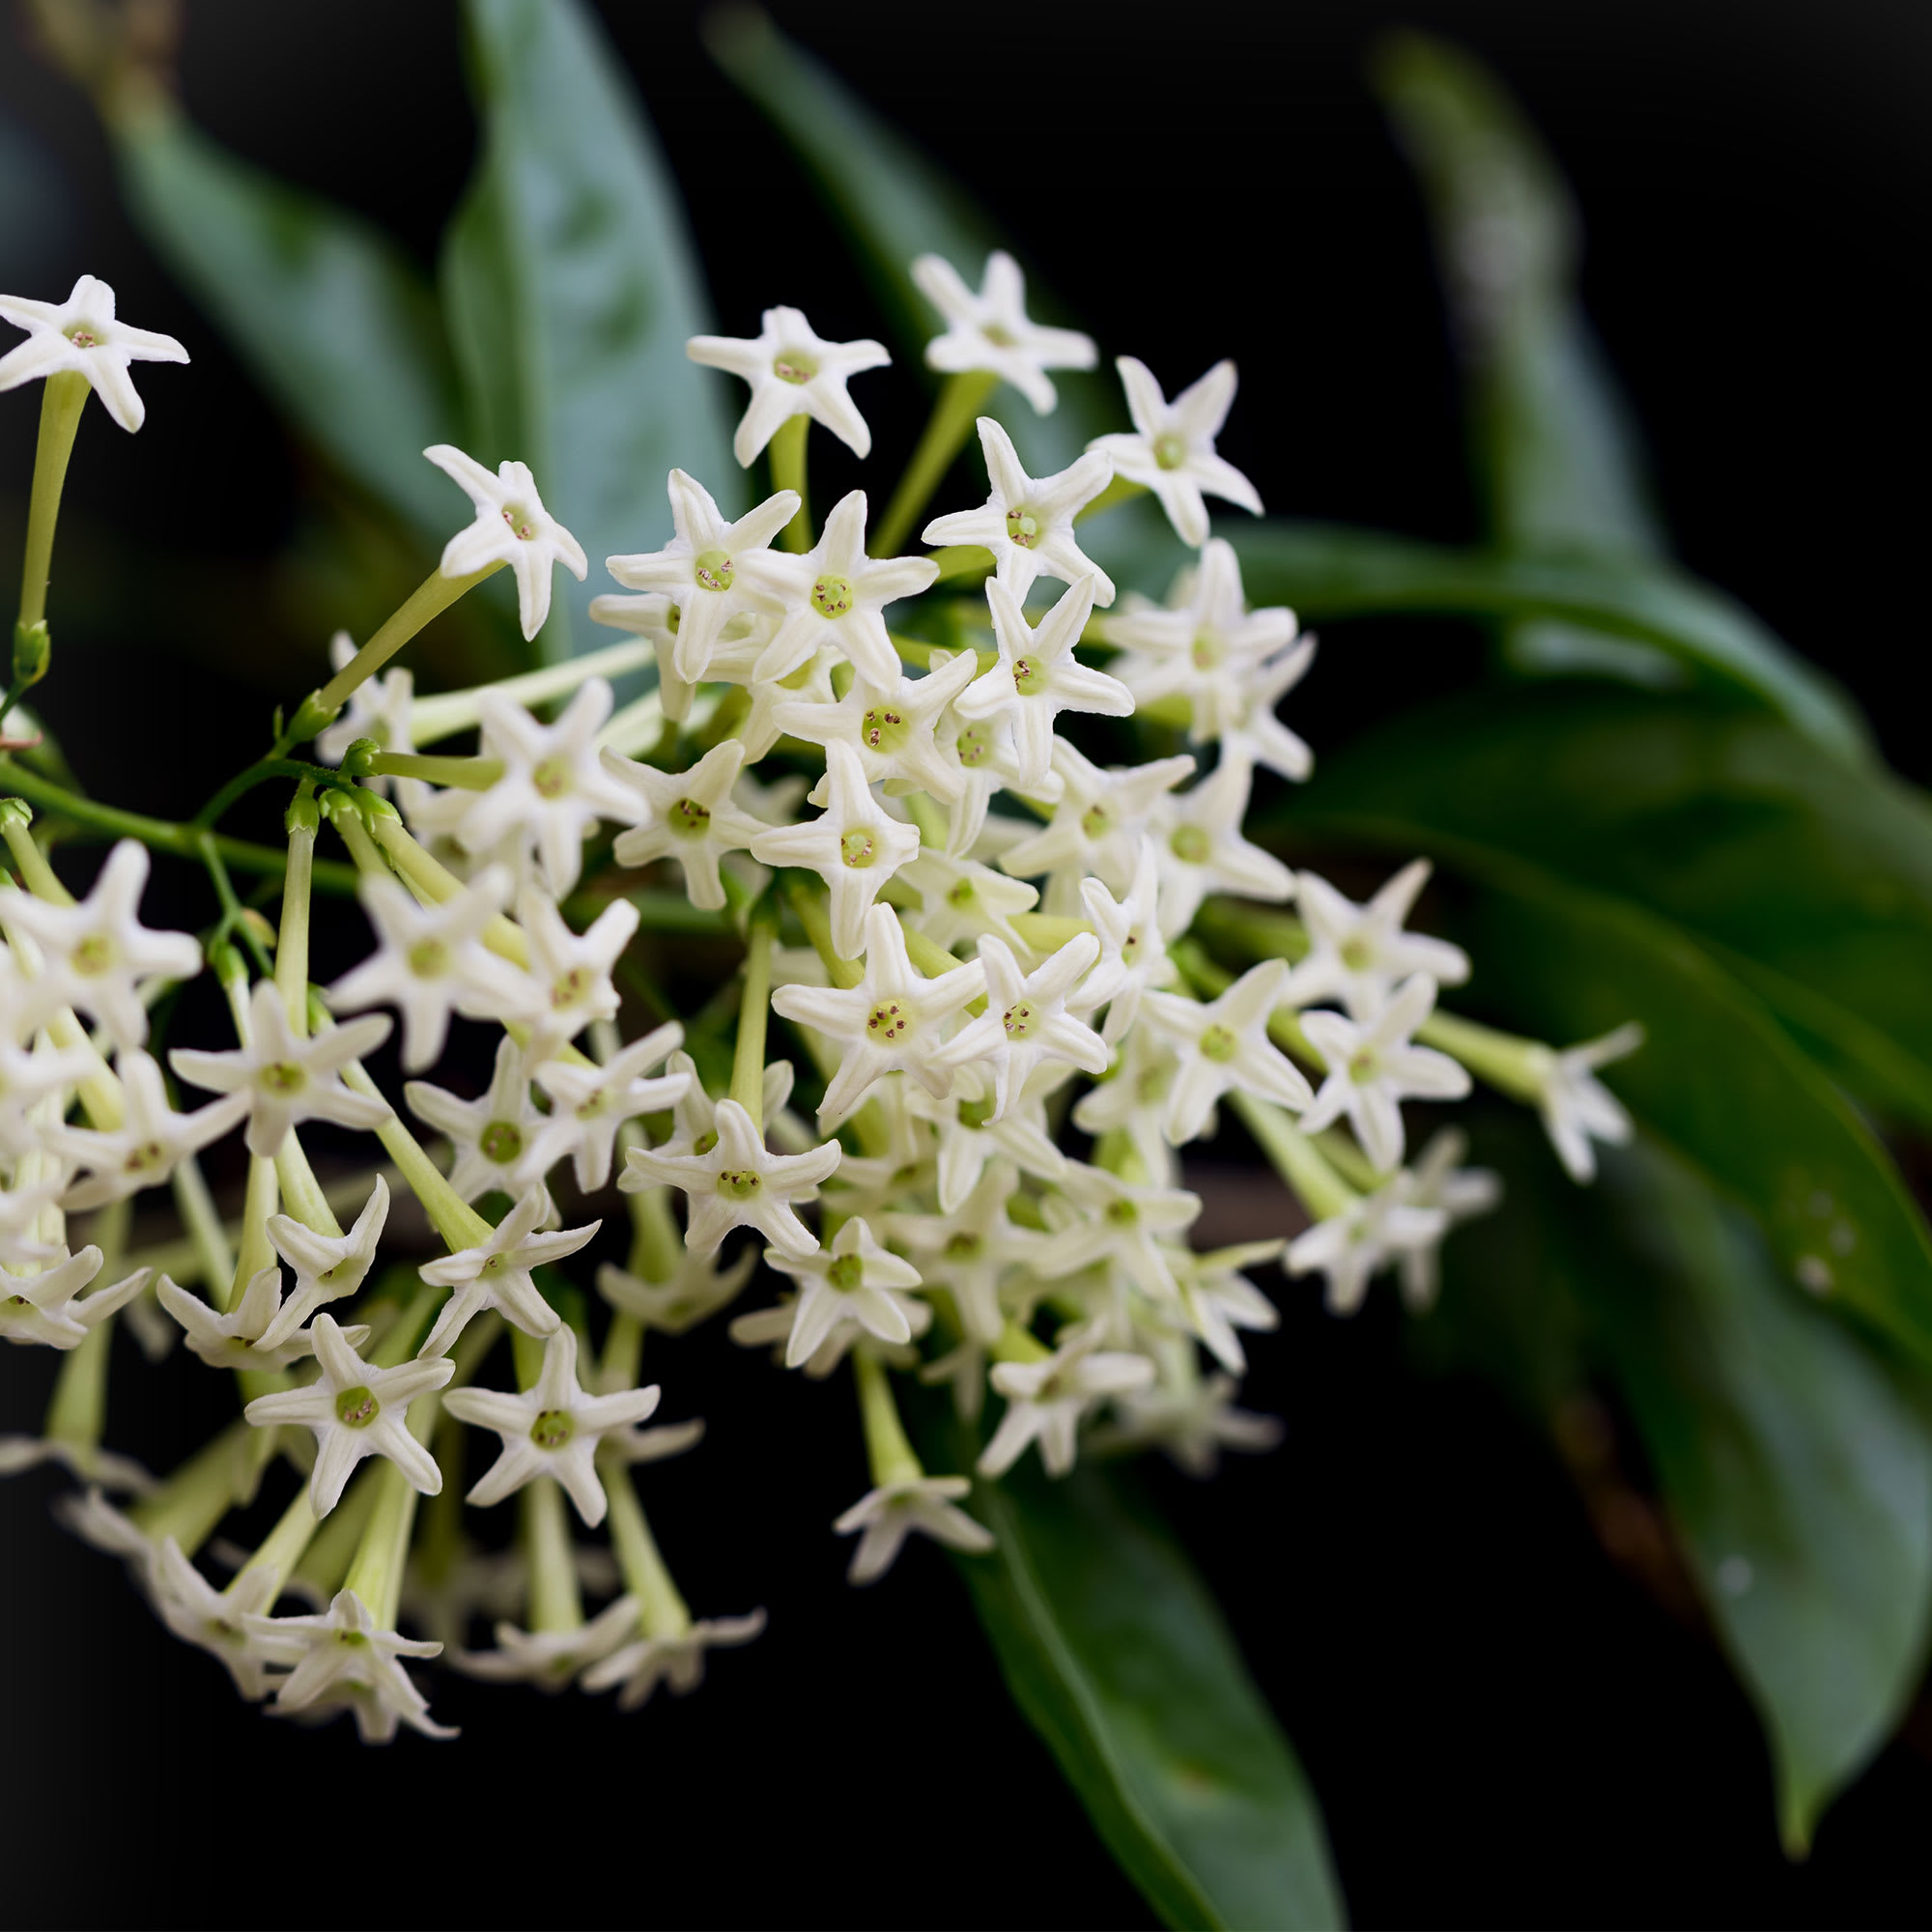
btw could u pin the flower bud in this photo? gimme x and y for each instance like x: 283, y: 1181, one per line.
x: 358, y: 759
x: 16, y: 811
x: 303, y: 815
x: 33, y: 648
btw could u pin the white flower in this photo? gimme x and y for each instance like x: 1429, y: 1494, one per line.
x: 972, y: 1249
x: 81, y: 335
x: 143, y: 1151
x: 20, y: 1215
x: 551, y: 1658
x: 284, y: 1077
x: 686, y: 815
x: 678, y: 1661
x: 1027, y: 522
x: 793, y: 371
x: 342, y: 1659
x: 592, y: 1103
x: 551, y: 1429
x: 95, y: 956
x: 990, y: 331
x: 571, y: 971
x: 695, y: 1115
x: 1353, y: 1246
x: 1373, y: 1068
x: 1171, y: 451
x: 854, y: 846
x: 1202, y: 849
x: 328, y: 1267
x: 891, y: 726
x: 1357, y: 953
x: 1132, y: 1100
x: 26, y: 1078
x: 431, y: 961
x: 765, y: 1327
x: 92, y: 1517
x: 835, y: 595
x: 855, y: 1281
x: 42, y: 1308
x: 496, y: 1274
x: 495, y: 1136
x: 1193, y: 1422
x: 674, y: 1307
x: 220, y: 1622
x: 234, y: 1341
x: 1099, y: 820
x: 1026, y: 1024
x: 1225, y: 1044
x: 895, y: 1019
x: 890, y: 1514
x: 1045, y: 1400
x: 700, y: 568
x: 809, y: 684
x: 1577, y: 1107
x: 355, y: 1411
x: 737, y: 1184
x: 512, y: 527
x: 960, y: 899
x: 1037, y: 676
x: 1437, y: 1180
x: 1133, y: 956
x: 1117, y: 1222
x: 1249, y: 728
x: 969, y: 1136
x: 1217, y: 1299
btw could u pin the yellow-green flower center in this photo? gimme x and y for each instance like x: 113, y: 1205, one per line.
x: 357, y: 1407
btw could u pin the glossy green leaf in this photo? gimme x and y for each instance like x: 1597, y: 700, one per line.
x: 326, y: 313
x: 1332, y: 570
x: 1812, y: 878
x: 572, y: 288
x: 1116, y: 1653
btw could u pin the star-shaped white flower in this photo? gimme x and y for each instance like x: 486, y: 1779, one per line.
x: 571, y: 971
x: 1026, y: 1024
x: 1351, y: 1248
x: 1100, y: 821
x: 551, y: 1658
x: 1202, y: 850
x: 1045, y: 1400
x: 1374, y: 1066
x: 854, y: 846
x: 960, y: 899
x: 1192, y: 1420
x: 95, y: 956
x: 809, y: 684
x: 971, y: 1250
x: 1172, y: 450
x: 1577, y: 1107
x: 1225, y: 1044
x: 328, y: 1267
x: 144, y: 1149
x: 1216, y: 1297
x: 342, y: 1659
x: 27, y: 1076
x: 678, y: 1661
x: 217, y: 1621
x: 737, y: 1183
x: 689, y: 817
x: 81, y: 335
x: 21, y: 1212
x: 590, y: 1103
x: 43, y: 1308
x: 793, y: 371
x: 354, y: 1411
x: 1027, y: 522
x: 495, y: 1136
x: 990, y: 331
x: 496, y: 1273
x: 1132, y: 1100
x: 1439, y: 1180
x: 894, y: 1019
x: 698, y: 1291
x: 969, y: 1136
x: 284, y: 1077
x: 928, y: 1504
x: 1037, y: 676
x: 854, y: 1282
x: 234, y: 1341
x: 891, y: 726
x: 1358, y: 954
x: 835, y: 595
x: 512, y: 527
x: 431, y: 962
x: 551, y: 1429
x: 1133, y: 956
x: 1120, y: 1223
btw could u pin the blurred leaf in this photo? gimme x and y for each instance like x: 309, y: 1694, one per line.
x: 1812, y: 876
x: 326, y: 313
x: 1332, y: 570
x: 1117, y: 1654
x: 572, y: 288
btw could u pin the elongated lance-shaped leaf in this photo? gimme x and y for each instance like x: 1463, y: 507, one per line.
x: 326, y: 312
x: 572, y: 289
x: 1118, y: 1656
x: 1552, y: 439
x: 1332, y: 570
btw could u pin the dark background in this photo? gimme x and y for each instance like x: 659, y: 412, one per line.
x: 1504, y: 1726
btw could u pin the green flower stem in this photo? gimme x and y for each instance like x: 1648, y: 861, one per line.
x: 301, y: 1193
x: 1115, y: 1151
x: 1015, y: 1345
x: 1120, y: 491
x: 235, y: 916
x: 256, y: 1251
x: 208, y: 1239
x: 925, y: 812
x: 160, y: 835
x: 61, y: 399
x: 36, y: 874
x: 448, y: 712
x: 641, y: 726
x: 325, y: 1562
x: 453, y: 1218
x: 466, y: 774
x: 1295, y: 1157
x: 931, y: 958
x: 661, y: 1610
x: 887, y: 1448
x: 1513, y: 1066
x: 1047, y: 933
x: 283, y: 1548
x: 556, y: 1603
x: 962, y: 561
x: 657, y: 1249
x: 199, y: 1493
x: 786, y: 451
x: 755, y: 1004
x: 432, y: 596
x: 77, y: 1410
x: 1347, y: 1160
x: 1257, y: 935
x: 810, y: 904
x: 431, y: 881
x: 292, y: 942
x: 955, y: 411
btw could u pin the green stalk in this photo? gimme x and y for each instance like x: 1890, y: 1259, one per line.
x: 556, y: 1603
x: 747, y: 1056
x: 432, y: 596
x: 61, y: 399
x: 890, y: 1455
x: 786, y: 451
x: 1295, y: 1157
x: 452, y: 711
x: 954, y: 411
x: 662, y: 1611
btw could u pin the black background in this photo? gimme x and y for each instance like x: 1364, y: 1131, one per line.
x: 1503, y: 1728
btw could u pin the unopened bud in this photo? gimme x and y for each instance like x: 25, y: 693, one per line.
x: 303, y: 815
x: 227, y: 964
x: 16, y: 811
x: 32, y: 647
x: 360, y: 756
x: 311, y: 717
x: 259, y: 924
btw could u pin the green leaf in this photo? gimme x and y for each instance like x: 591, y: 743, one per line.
x: 1331, y: 570
x: 1116, y: 1653
x: 1808, y: 878
x: 572, y: 288
x: 326, y: 312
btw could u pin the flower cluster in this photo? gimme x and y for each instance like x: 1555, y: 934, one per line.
x: 866, y: 775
